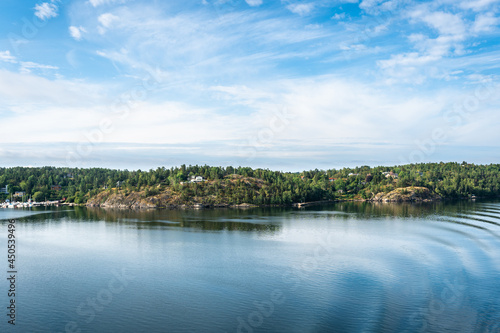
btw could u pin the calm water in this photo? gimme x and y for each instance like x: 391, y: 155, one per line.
x: 342, y: 268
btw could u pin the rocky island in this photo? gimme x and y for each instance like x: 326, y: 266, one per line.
x: 207, y: 186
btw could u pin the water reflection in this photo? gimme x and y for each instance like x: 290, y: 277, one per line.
x: 268, y: 218
x: 347, y: 267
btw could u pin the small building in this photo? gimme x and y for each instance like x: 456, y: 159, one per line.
x: 4, y: 189
x: 353, y: 174
x: 390, y: 174
x: 55, y: 188
x: 19, y: 194
x: 119, y: 183
x: 196, y: 179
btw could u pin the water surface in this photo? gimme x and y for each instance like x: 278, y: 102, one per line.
x: 348, y: 267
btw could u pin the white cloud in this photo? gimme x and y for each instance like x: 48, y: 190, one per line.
x: 479, y: 78
x: 407, y: 59
x: 220, y: 74
x: 477, y: 5
x: 452, y: 34
x: 368, y: 4
x: 107, y: 19
x: 29, y: 89
x: 7, y: 57
x: 485, y: 23
x: 27, y: 66
x: 193, y: 44
x: 76, y: 32
x: 338, y: 16
x: 375, y: 6
x: 301, y: 8
x: 328, y: 109
x: 243, y: 95
x: 45, y: 10
x: 254, y: 3
x: 353, y: 47
x: 444, y: 23
x: 373, y: 31
x: 96, y: 3
x: 334, y: 110
x: 24, y: 66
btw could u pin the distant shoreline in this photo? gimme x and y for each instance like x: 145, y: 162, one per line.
x: 135, y: 201
x: 294, y: 205
x: 242, y: 187
x: 246, y: 206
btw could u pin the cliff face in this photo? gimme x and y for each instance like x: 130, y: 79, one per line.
x: 137, y: 200
x: 407, y: 194
x: 170, y: 198
x: 118, y: 200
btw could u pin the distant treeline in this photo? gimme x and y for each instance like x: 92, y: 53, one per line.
x: 254, y: 186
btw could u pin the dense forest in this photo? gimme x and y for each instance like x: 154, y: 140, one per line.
x: 229, y: 185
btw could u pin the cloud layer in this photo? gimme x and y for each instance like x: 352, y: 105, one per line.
x: 254, y: 82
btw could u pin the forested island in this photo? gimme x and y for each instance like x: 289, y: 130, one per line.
x: 200, y: 186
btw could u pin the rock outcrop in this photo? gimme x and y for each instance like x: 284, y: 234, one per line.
x: 118, y: 200
x: 407, y: 194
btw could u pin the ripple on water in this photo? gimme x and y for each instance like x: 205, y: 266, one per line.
x: 375, y: 269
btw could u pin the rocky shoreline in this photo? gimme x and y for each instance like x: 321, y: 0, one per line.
x: 407, y: 194
x: 136, y: 201
x: 173, y: 206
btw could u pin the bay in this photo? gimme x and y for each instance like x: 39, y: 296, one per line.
x: 347, y: 267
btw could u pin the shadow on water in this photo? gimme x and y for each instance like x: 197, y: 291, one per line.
x: 256, y: 219
x: 370, y: 210
x: 262, y: 218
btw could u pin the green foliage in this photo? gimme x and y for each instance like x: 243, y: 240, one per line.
x: 38, y: 196
x: 236, y: 185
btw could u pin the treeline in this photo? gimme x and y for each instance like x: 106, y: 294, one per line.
x: 247, y: 185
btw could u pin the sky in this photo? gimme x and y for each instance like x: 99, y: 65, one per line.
x: 286, y: 85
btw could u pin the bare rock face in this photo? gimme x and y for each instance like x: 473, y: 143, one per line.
x: 138, y: 200
x: 118, y: 200
x: 407, y: 194
x: 173, y: 198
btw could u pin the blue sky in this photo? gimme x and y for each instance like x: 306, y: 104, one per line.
x: 287, y: 85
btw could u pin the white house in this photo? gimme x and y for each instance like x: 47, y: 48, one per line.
x: 390, y: 174
x: 197, y: 179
